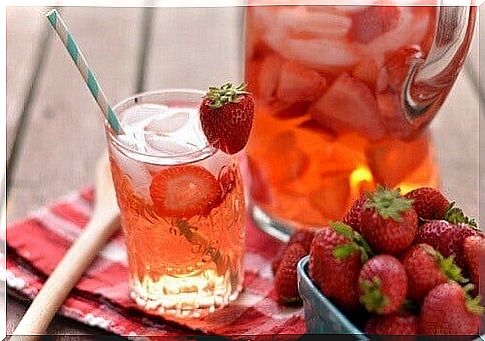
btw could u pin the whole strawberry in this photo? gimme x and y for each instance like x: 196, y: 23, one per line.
x: 474, y: 254
x: 352, y: 217
x: 400, y: 323
x: 285, y: 280
x: 226, y: 115
x: 426, y: 268
x: 388, y: 221
x: 302, y: 237
x: 336, y: 257
x: 447, y: 238
x: 429, y: 203
x: 448, y: 310
x: 383, y: 284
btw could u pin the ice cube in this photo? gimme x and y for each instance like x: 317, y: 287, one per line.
x: 316, y: 21
x: 138, y: 175
x: 313, y: 37
x: 138, y: 114
x: 321, y: 54
x: 172, y: 122
x: 408, y: 30
x: 164, y: 145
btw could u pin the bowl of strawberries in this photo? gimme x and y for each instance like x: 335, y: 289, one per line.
x: 394, y: 265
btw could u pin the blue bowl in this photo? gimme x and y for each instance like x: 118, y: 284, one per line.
x: 321, y: 315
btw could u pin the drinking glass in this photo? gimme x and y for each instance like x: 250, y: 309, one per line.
x: 344, y: 95
x: 182, y: 206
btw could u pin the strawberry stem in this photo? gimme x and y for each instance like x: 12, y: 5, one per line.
x: 388, y: 203
x: 446, y: 264
x: 373, y: 299
x: 455, y: 215
x: 472, y: 304
x: 356, y: 242
x: 227, y: 93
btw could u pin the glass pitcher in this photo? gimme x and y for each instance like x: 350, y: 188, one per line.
x: 344, y: 95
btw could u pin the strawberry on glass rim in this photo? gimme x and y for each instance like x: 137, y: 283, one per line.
x: 226, y: 115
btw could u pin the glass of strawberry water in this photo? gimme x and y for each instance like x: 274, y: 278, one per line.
x: 182, y: 206
x: 343, y: 97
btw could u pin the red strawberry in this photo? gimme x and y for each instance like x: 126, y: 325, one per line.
x: 226, y: 115
x: 302, y: 237
x: 392, y: 324
x: 429, y: 203
x: 336, y: 109
x: 445, y: 237
x: 448, y: 310
x: 285, y: 281
x: 184, y: 191
x: 426, y: 268
x: 299, y: 84
x: 388, y: 221
x: 383, y: 284
x: 352, y: 217
x: 474, y: 254
x: 336, y: 256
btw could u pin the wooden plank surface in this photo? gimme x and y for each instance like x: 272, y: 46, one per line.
x: 190, y: 47
x: 65, y: 133
x: 195, y: 47
x: 22, y: 53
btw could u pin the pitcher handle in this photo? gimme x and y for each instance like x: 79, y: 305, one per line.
x: 430, y: 80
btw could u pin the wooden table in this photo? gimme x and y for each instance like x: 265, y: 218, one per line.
x: 54, y: 130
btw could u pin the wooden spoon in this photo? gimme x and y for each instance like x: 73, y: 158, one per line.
x: 104, y: 222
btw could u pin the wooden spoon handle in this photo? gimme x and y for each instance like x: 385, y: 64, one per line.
x: 67, y: 273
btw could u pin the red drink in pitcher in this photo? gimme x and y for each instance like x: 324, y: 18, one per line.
x: 329, y: 84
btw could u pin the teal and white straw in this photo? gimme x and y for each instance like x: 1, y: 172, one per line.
x: 78, y: 58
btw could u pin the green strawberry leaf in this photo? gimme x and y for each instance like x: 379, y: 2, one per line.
x: 455, y: 215
x: 227, y: 93
x: 389, y: 203
x: 345, y: 250
x: 365, y: 248
x: 343, y: 229
x: 472, y: 304
x: 450, y: 269
x: 357, y: 242
x: 373, y: 299
x: 446, y: 264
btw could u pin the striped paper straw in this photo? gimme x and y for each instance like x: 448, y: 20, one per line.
x: 78, y: 58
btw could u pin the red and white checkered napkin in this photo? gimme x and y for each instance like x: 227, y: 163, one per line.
x: 36, y: 244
